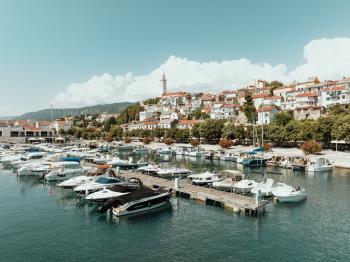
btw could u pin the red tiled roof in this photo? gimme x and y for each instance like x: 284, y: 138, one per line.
x: 265, y: 108
x: 31, y: 128
x: 230, y: 106
x: 175, y: 94
x: 187, y: 122
x: 335, y: 88
x: 259, y: 96
x: 273, y: 97
x: 306, y: 94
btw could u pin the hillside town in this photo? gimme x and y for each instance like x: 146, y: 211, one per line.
x: 256, y: 104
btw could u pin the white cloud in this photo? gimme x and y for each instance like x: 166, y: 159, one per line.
x: 326, y: 58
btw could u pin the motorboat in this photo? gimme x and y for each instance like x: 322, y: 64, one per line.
x: 127, y: 165
x: 230, y: 179
x: 285, y: 193
x: 140, y: 200
x: 275, y: 161
x: 264, y: 188
x: 320, y: 165
x: 165, y: 151
x: 101, y: 160
x: 205, y: 178
x: 93, y: 174
x: 113, y: 191
x: 244, y: 186
x: 100, y: 183
x: 116, y: 161
x: 141, y: 150
x: 209, y: 154
x: 254, y: 160
x: 67, y: 170
x: 228, y: 157
x: 173, y: 172
x: 299, y: 163
x: 195, y: 153
x: 149, y: 169
x: 30, y: 157
x: 124, y: 147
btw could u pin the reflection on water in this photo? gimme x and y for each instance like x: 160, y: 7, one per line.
x: 37, y: 216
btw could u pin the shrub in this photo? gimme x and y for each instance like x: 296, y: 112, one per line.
x: 127, y: 140
x: 267, y: 147
x: 311, y: 147
x: 168, y: 141
x: 147, y: 140
x: 194, y: 142
x: 225, y: 143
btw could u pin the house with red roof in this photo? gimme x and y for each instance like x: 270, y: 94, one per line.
x: 266, y: 114
x: 334, y: 95
x: 306, y: 99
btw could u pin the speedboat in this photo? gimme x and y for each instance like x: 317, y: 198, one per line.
x: 124, y: 147
x: 30, y: 157
x: 264, y: 188
x: 93, y: 174
x: 173, y: 172
x: 116, y: 161
x: 111, y: 192
x: 165, y: 151
x: 244, y: 186
x: 205, y: 178
x: 140, y: 200
x: 100, y: 183
x: 320, y: 165
x: 141, y: 150
x: 285, y: 193
x: 65, y: 171
x: 195, y: 153
x: 230, y: 179
x: 149, y: 169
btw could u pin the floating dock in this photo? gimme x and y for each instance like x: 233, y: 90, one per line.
x: 228, y: 200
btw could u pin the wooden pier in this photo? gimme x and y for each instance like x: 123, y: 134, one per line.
x: 228, y: 200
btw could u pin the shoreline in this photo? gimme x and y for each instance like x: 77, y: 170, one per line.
x: 341, y: 159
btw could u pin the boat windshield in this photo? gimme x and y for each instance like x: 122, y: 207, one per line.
x: 105, y: 180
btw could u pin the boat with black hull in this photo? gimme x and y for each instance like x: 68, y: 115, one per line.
x: 140, y: 200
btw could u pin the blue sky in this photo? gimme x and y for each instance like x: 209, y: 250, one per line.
x: 47, y: 45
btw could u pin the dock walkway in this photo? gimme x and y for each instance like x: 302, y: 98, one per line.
x: 210, y: 196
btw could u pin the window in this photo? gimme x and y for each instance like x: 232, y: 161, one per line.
x: 0, y: 132
x: 14, y: 133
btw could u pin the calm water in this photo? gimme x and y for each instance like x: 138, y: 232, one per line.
x: 40, y: 222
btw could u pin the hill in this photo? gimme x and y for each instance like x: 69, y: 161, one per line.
x: 45, y: 114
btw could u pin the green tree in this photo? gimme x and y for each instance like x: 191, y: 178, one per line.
x: 211, y: 129
x: 249, y: 108
x: 116, y: 132
x: 195, y: 131
x: 283, y: 118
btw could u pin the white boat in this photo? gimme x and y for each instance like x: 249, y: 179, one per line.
x: 141, y: 150
x: 320, y: 165
x: 116, y: 161
x: 149, y: 169
x: 173, y: 172
x: 205, y: 178
x: 107, y: 193
x: 285, y: 193
x: 230, y: 179
x: 68, y: 170
x: 165, y: 151
x: 140, y: 200
x: 30, y: 157
x: 244, y: 186
x: 265, y: 187
x: 124, y: 147
x: 93, y: 174
x: 100, y: 183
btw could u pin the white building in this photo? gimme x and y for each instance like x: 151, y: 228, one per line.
x: 266, y: 115
x: 306, y: 99
x: 334, y: 95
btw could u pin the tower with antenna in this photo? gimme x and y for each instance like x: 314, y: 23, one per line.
x: 164, y: 84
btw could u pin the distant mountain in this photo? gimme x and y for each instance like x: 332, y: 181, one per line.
x: 45, y: 114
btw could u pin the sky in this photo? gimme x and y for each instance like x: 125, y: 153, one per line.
x: 82, y: 52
